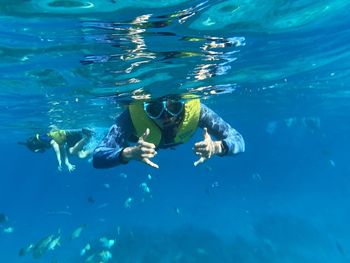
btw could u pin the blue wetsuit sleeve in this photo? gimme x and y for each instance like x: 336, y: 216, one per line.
x: 232, y: 140
x: 108, y: 153
x: 45, y: 138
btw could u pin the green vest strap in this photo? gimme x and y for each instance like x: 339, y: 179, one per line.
x: 190, y: 122
x: 141, y: 122
x: 59, y: 136
x: 186, y: 129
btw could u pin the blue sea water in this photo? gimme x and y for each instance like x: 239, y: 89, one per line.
x: 277, y: 71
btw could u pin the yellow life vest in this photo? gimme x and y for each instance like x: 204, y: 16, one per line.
x: 59, y: 136
x: 186, y: 129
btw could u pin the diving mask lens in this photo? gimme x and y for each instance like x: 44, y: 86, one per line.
x: 154, y: 109
x: 174, y: 107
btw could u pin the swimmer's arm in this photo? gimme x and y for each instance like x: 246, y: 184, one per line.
x: 230, y: 140
x: 71, y: 167
x: 107, y: 157
x: 109, y: 152
x: 57, y: 151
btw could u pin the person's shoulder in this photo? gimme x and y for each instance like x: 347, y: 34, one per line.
x: 122, y: 118
x: 204, y: 107
x: 123, y: 114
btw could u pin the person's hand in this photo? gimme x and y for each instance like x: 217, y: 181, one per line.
x: 71, y: 167
x: 59, y: 168
x: 206, y: 148
x: 142, y: 152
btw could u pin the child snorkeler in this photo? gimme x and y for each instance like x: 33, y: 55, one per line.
x: 63, y: 142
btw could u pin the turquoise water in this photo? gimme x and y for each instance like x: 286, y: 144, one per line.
x: 277, y: 71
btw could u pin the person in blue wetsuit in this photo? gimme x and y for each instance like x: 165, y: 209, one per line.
x: 146, y: 126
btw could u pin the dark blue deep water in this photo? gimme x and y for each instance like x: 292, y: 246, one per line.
x: 278, y: 71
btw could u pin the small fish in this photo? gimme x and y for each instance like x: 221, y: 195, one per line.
x: 215, y: 184
x: 91, y: 259
x: 105, y: 255
x: 256, y: 177
x: 177, y: 211
x: 9, y: 230
x: 107, y: 243
x: 77, y: 232
x: 290, y: 121
x: 24, y: 251
x: 145, y: 188
x: 41, y: 247
x: 24, y: 58
x: 54, y: 243
x: 85, y: 249
x: 128, y: 201
x: 123, y: 175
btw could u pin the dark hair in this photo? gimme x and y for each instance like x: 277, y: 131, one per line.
x: 35, y: 145
x: 170, y: 97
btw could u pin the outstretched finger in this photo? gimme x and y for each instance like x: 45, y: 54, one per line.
x: 200, y: 144
x: 147, y: 144
x: 147, y: 155
x: 206, y: 134
x: 150, y: 163
x: 148, y: 150
x: 201, y: 160
x: 144, y: 135
x: 201, y: 149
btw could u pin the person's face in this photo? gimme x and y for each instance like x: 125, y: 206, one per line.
x: 34, y: 144
x: 167, y: 120
x: 164, y: 112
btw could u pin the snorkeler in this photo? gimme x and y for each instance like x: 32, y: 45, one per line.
x: 62, y: 142
x: 164, y: 123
